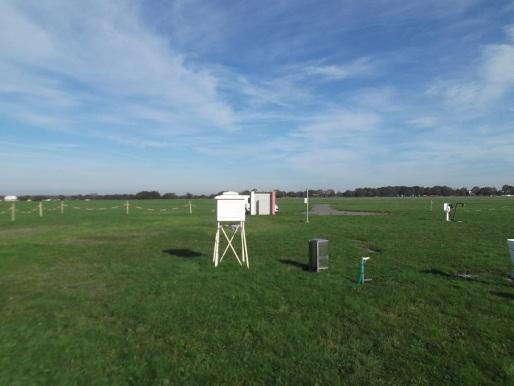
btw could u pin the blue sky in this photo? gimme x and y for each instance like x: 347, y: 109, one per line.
x: 203, y: 96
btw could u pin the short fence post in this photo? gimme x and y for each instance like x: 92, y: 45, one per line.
x: 40, y: 208
x: 13, y: 212
x: 127, y: 205
x: 190, y: 208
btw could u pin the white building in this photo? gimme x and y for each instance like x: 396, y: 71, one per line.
x: 10, y: 198
x: 263, y: 203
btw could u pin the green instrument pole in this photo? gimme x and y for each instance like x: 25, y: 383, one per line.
x: 360, y: 275
x: 361, y: 278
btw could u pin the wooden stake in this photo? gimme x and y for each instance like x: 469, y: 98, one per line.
x: 13, y: 212
x: 127, y: 205
x: 40, y: 208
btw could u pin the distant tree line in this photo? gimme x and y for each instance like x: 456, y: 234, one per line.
x: 403, y: 191
x: 143, y: 195
x: 385, y: 191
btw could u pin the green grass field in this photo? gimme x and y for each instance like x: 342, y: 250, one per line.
x: 99, y: 297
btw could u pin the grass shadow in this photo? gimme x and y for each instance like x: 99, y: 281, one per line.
x: 294, y: 263
x: 504, y: 295
x: 182, y: 253
x: 438, y: 272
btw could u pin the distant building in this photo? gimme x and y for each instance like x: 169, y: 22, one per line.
x: 263, y: 203
x: 10, y: 198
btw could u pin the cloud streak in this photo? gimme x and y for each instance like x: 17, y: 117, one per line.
x: 489, y: 82
x: 97, y: 56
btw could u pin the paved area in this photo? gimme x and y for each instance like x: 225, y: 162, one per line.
x: 327, y: 210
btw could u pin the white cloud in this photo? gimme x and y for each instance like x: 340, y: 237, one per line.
x: 280, y: 92
x: 337, y: 125
x: 98, y: 55
x: 356, y: 68
x: 509, y: 31
x: 20, y: 39
x: 383, y: 99
x: 489, y: 82
x: 426, y: 121
x: 498, y: 73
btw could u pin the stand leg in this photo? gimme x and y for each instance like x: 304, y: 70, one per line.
x: 215, y: 254
x: 243, y: 236
x: 243, y: 256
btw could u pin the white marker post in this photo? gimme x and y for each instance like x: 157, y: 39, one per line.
x: 447, y: 209
x: 40, y: 208
x: 13, y: 212
x: 190, y: 208
x: 306, y: 202
x: 127, y: 207
x: 431, y: 203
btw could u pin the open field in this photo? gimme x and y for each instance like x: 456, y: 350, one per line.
x: 99, y: 297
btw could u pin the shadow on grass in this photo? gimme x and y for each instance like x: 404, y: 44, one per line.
x: 504, y: 295
x: 465, y: 277
x: 438, y: 272
x: 294, y: 263
x: 182, y: 253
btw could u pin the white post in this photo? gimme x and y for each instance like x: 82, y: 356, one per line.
x: 215, y: 255
x: 190, y: 208
x: 447, y: 209
x: 40, y: 208
x: 241, y: 226
x: 307, y: 202
x: 127, y: 207
x: 62, y: 207
x: 431, y: 203
x: 13, y: 212
x: 245, y: 247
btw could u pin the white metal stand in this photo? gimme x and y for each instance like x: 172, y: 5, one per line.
x: 240, y: 227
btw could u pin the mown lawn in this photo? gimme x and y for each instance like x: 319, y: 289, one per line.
x: 99, y: 297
